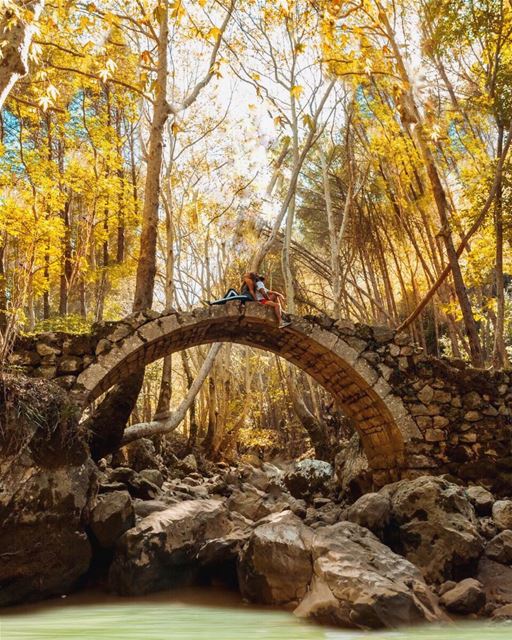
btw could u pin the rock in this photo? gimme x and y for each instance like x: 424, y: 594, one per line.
x: 308, y: 476
x: 488, y: 528
x: 329, y: 513
x: 382, y: 334
x: 144, y: 508
x: 160, y: 551
x: 254, y: 504
x: 252, y: 459
x: 47, y: 478
x: 500, y: 547
x: 496, y: 579
x: 359, y: 582
x: 137, y: 485
x: 224, y: 551
x: 371, y: 510
x: 189, y: 463
x: 249, y: 502
x: 141, y: 454
x: 111, y: 517
x: 481, y: 499
x: 434, y: 525
x: 321, y: 502
x: 275, y: 566
x: 257, y: 477
x: 446, y: 586
x: 502, y: 514
x: 108, y: 487
x: 503, y: 613
x: 154, y: 476
x: 467, y: 597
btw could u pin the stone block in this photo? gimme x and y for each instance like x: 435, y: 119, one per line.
x: 69, y: 364
x: 426, y: 394
x: 435, y: 435
x: 44, y: 349
x: 402, y: 339
x: 383, y: 334
x: 103, y: 346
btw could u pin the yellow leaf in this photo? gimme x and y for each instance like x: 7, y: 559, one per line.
x: 296, y: 91
x: 213, y: 34
x: 44, y: 102
x: 145, y: 56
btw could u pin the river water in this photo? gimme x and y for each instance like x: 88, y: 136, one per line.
x: 197, y: 615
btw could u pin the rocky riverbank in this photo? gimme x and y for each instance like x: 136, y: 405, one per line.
x: 283, y: 534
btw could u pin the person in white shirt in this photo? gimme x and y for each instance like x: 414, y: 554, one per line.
x: 254, y: 285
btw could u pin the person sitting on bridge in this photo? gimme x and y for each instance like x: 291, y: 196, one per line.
x: 253, y: 286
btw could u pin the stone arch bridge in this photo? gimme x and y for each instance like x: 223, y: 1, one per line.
x: 415, y: 414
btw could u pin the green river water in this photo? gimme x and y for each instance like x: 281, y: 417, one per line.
x: 198, y: 615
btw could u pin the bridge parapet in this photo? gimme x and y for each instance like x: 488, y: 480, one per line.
x: 415, y: 413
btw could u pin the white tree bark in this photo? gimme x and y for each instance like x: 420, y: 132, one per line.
x: 156, y: 427
x: 18, y: 23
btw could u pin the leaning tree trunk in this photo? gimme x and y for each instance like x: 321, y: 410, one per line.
x: 143, y: 430
x: 439, y: 194
x: 18, y: 24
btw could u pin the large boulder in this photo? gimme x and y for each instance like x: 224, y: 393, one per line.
x: 496, y: 579
x: 275, y: 566
x: 359, y: 582
x: 466, y: 597
x: 137, y: 485
x: 500, y: 547
x: 154, y: 476
x: 46, y: 480
x: 340, y: 575
x: 160, y: 551
x: 111, y: 517
x: 254, y: 504
x: 307, y: 477
x: 502, y: 514
x: 481, y: 499
x: 372, y: 511
x: 141, y: 454
x: 434, y: 525
x: 249, y: 502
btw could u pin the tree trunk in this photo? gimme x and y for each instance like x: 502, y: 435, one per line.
x: 66, y: 265
x: 113, y: 422
x: 164, y: 396
x: 439, y: 197
x: 146, y: 265
x: 145, y: 429
x: 3, y: 293
x: 499, y: 356
x: 16, y: 39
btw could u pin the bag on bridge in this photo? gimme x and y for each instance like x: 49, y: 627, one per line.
x: 232, y: 294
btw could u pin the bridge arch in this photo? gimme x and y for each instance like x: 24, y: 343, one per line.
x: 416, y: 414
x: 330, y: 356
